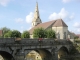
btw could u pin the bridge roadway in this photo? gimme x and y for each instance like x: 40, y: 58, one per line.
x: 15, y: 49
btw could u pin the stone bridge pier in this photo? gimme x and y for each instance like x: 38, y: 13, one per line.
x: 33, y: 49
x: 54, y: 53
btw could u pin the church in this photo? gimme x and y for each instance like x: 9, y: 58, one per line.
x: 58, y: 25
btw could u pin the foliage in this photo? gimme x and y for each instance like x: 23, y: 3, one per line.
x: 15, y: 34
x: 50, y: 33
x: 76, y: 37
x: 74, y: 49
x: 39, y: 33
x: 8, y: 34
x: 5, y: 30
x: 25, y: 34
x: 78, y: 47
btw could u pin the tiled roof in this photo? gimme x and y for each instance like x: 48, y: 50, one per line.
x: 54, y: 23
x: 43, y: 25
x: 59, y: 23
x: 78, y: 35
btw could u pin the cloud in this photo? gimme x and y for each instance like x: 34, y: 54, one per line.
x: 62, y: 14
x: 19, y: 20
x: 4, y: 2
x: 29, y: 17
x: 76, y: 25
x: 66, y: 1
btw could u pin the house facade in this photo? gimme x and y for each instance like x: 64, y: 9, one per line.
x: 1, y: 33
x: 58, y: 25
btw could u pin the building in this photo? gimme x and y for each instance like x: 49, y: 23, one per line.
x: 78, y: 35
x: 58, y: 25
x: 1, y: 33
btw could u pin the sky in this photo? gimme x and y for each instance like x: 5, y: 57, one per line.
x: 18, y: 14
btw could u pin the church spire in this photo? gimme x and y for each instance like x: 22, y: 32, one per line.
x: 36, y: 20
x: 36, y: 13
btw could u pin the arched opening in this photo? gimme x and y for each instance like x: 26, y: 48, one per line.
x: 62, y: 52
x: 6, y: 56
x: 39, y: 54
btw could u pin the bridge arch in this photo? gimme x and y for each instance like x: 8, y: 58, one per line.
x: 6, y: 56
x: 62, y: 52
x: 39, y: 54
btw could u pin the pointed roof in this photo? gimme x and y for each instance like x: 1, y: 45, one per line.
x: 36, y: 13
x: 53, y: 23
x: 59, y: 23
x: 43, y: 25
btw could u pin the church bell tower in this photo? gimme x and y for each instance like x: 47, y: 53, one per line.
x: 36, y: 19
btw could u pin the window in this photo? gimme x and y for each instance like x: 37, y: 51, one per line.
x: 58, y: 36
x: 64, y: 35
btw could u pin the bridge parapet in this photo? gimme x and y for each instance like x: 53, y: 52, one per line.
x: 7, y: 40
x: 21, y: 47
x: 33, y: 42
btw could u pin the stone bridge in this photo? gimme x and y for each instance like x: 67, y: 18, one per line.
x: 48, y: 49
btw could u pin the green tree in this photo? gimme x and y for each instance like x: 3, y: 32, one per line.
x: 5, y: 30
x: 25, y: 34
x: 76, y: 37
x: 16, y: 34
x: 50, y: 33
x: 8, y: 34
x: 39, y: 33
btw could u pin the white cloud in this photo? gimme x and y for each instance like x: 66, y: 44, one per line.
x: 4, y: 2
x: 77, y: 25
x: 62, y: 14
x: 29, y: 17
x: 54, y: 16
x: 66, y: 1
x: 19, y: 20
